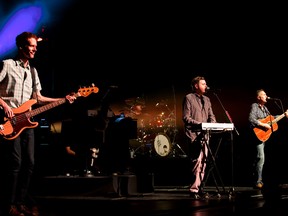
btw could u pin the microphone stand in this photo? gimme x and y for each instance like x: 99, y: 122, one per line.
x: 280, y: 107
x: 232, y: 190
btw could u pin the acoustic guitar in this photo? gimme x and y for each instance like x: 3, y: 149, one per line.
x: 12, y: 127
x: 263, y: 134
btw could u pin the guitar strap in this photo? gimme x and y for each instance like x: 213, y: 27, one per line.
x: 33, y: 80
x: 266, y: 110
x: 33, y: 76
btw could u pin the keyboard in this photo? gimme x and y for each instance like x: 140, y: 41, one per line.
x: 217, y: 126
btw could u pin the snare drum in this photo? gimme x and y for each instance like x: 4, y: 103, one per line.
x: 162, y: 144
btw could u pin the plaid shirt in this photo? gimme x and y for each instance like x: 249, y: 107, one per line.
x: 16, y: 82
x: 257, y: 113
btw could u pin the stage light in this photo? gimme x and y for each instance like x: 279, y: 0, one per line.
x: 24, y: 18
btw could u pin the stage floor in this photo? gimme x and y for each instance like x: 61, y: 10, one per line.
x: 166, y: 201
x: 104, y: 195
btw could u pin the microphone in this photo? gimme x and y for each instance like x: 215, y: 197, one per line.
x: 269, y: 98
x: 113, y: 86
x: 212, y: 89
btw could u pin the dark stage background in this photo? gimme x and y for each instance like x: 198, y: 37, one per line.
x: 152, y: 51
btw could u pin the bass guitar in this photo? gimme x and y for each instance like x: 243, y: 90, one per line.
x: 263, y: 134
x: 12, y: 127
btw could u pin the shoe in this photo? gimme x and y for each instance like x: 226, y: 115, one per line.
x: 194, y: 195
x: 29, y: 211
x: 259, y: 185
x: 13, y: 211
x: 204, y: 195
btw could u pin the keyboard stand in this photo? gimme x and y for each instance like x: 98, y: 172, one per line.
x: 211, y: 165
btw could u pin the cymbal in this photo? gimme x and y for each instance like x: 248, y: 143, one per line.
x: 132, y: 111
x: 162, y: 102
x: 135, y: 101
x: 146, y: 114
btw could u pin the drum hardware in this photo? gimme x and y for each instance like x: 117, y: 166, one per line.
x: 94, y: 155
x: 177, y: 146
x: 133, y: 153
x: 134, y: 106
x: 162, y: 144
x: 166, y: 120
x: 154, y: 133
x: 183, y: 155
x: 157, y: 144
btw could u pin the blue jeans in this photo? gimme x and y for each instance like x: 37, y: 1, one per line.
x: 259, y: 163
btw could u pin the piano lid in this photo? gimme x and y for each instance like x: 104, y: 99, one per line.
x: 217, y: 126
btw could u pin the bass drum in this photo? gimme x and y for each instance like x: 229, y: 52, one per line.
x: 162, y: 145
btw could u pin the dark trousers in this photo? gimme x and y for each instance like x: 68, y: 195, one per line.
x: 20, y: 162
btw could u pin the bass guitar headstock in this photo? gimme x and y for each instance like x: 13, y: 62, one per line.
x: 86, y: 91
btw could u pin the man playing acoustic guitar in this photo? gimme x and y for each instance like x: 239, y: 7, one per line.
x: 19, y: 83
x: 263, y: 125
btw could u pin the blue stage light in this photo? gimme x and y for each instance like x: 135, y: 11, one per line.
x: 24, y: 18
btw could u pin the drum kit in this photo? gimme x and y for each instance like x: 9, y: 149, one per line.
x: 156, y: 133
